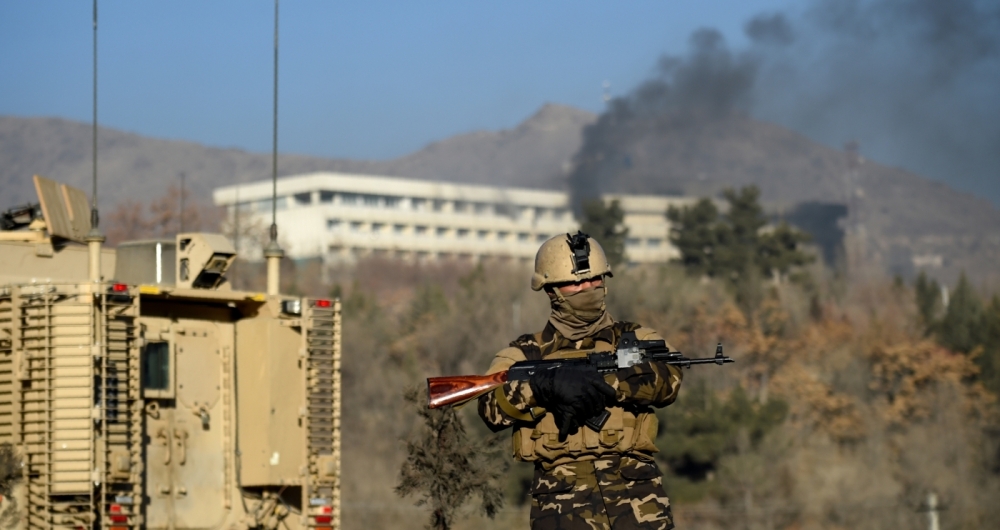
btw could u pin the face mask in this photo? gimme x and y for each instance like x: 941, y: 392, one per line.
x: 586, y: 305
x: 580, y: 314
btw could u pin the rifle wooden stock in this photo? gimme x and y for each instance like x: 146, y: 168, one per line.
x: 453, y: 389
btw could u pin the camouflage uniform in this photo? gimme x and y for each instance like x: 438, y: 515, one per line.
x: 591, y: 480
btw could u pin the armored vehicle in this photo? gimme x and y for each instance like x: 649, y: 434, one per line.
x: 141, y: 391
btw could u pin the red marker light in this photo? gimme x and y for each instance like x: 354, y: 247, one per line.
x: 119, y: 287
x: 323, y: 303
x: 326, y: 518
x: 116, y: 514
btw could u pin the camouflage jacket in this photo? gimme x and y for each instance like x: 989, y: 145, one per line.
x: 632, y: 426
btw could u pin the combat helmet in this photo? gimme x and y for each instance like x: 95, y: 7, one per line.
x: 569, y: 258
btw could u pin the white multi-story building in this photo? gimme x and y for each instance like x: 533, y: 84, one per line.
x: 338, y: 217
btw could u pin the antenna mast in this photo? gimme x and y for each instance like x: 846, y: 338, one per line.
x: 273, y: 252
x: 181, y: 218
x: 94, y: 237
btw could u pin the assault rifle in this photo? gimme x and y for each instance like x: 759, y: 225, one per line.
x: 453, y: 390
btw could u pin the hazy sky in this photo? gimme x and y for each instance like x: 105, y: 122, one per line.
x: 369, y: 79
x: 915, y: 81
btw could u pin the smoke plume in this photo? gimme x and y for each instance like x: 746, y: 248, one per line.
x: 913, y: 82
x: 686, y: 94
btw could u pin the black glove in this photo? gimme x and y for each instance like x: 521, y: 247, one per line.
x: 573, y: 394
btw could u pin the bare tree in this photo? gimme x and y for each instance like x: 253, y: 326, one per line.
x: 446, y: 467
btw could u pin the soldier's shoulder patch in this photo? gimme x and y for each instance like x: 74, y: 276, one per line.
x: 528, y: 344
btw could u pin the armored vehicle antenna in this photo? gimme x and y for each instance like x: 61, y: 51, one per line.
x: 183, y: 192
x: 94, y: 237
x: 273, y: 252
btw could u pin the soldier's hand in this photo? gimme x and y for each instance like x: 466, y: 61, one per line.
x: 572, y: 393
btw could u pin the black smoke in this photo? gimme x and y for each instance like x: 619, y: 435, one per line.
x: 915, y: 82
x: 822, y: 221
x: 707, y: 86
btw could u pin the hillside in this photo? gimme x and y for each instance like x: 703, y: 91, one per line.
x: 898, y: 219
x: 535, y: 154
x: 135, y: 167
x: 131, y: 166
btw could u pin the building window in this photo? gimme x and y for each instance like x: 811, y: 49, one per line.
x: 438, y: 205
x: 264, y: 205
x: 349, y: 198
x: 399, y: 229
x: 392, y: 202
x: 559, y: 213
x: 441, y: 231
x: 326, y: 197
x: 418, y: 203
x: 523, y: 237
x: 633, y: 242
x: 420, y: 230
x: 482, y: 234
x: 463, y: 232
x: 502, y: 236
x: 303, y: 199
x: 377, y: 228
x: 461, y: 206
x: 480, y: 208
x: 356, y: 226
x: 371, y: 200
x: 539, y: 212
x: 333, y: 224
x: 541, y: 238
x: 653, y: 242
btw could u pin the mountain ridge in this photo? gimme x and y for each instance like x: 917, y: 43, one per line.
x: 906, y: 217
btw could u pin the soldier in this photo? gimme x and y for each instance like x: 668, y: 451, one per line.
x: 583, y: 479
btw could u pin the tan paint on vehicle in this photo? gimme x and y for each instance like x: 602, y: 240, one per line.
x: 159, y: 404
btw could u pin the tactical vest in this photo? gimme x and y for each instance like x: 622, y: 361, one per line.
x: 630, y: 428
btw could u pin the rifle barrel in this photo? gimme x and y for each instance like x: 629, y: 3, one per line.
x: 683, y: 361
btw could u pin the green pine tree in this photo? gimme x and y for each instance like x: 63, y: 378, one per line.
x: 780, y: 250
x: 604, y: 222
x: 693, y: 233
x: 960, y: 328
x: 734, y: 246
x: 989, y: 359
x: 928, y: 296
x: 739, y: 237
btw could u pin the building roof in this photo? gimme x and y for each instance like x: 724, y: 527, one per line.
x: 387, y: 186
